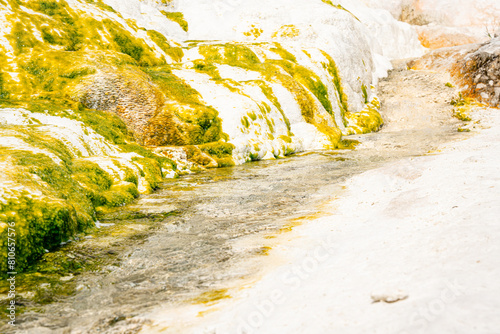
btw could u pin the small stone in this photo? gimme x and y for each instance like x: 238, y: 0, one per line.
x: 67, y: 278
x: 81, y: 287
x: 389, y: 296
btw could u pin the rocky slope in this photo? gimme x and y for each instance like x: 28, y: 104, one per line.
x: 463, y: 37
x: 475, y: 68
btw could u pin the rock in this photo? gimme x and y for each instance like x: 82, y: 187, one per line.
x: 388, y: 296
x: 475, y: 68
x: 479, y: 73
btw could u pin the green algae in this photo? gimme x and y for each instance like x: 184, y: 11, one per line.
x: 211, y: 296
x: 270, y: 124
x: 50, y: 74
x: 194, y: 154
x: 4, y: 93
x: 173, y: 87
x: 348, y: 144
x: 288, y: 31
x: 218, y: 149
x: 252, y: 116
x: 71, y: 36
x: 205, y: 67
x: 130, y: 45
x: 76, y: 73
x: 332, y: 69
x: 107, y: 124
x: 202, y: 123
x: 286, y: 139
x: 255, y: 32
x: 242, y: 56
x: 40, y: 223
x: 309, y: 79
x: 120, y: 194
x: 236, y: 55
x: 462, y: 114
x: 221, y: 152
x: 367, y: 120
x: 47, y: 7
x: 463, y: 107
x: 278, y: 49
x: 178, y: 18
x: 91, y: 177
x: 176, y: 53
x: 61, y: 27
x: 152, y: 171
x: 245, y: 122
x: 215, y: 154
x: 328, y: 2
x: 55, y: 275
x: 22, y: 37
x: 101, y: 5
x: 365, y: 93
x: 264, y: 251
x: 163, y: 162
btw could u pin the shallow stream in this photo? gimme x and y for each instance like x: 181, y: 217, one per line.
x: 206, y: 225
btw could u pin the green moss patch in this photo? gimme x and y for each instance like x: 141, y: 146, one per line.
x: 175, y: 53
x: 309, y: 79
x: 4, y: 93
x: 367, y: 120
x: 63, y: 28
x: 205, y: 67
x: 201, y: 123
x: 22, y: 37
x: 218, y: 149
x: 55, y: 275
x: 178, y: 18
x: 40, y: 223
x: 101, y: 5
x: 328, y: 2
x: 231, y: 54
x: 163, y: 162
x: 130, y: 45
x: 332, y: 69
x: 463, y: 107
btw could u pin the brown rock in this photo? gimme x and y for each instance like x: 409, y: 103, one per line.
x: 479, y: 73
